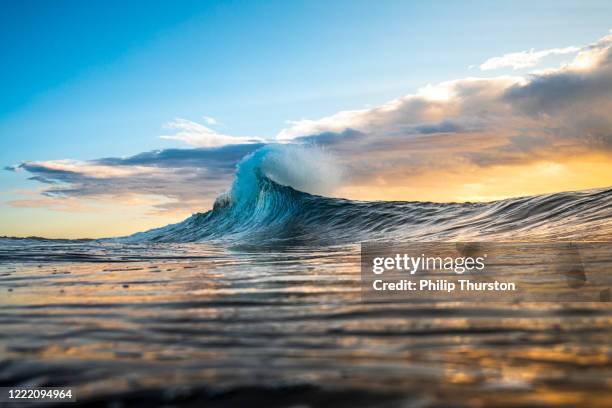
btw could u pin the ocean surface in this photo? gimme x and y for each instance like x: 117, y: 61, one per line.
x: 257, y: 303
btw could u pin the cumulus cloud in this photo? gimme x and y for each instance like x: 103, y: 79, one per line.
x: 524, y: 59
x: 476, y: 121
x: 196, y: 134
x: 452, y: 100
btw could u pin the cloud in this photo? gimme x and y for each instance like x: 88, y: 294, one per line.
x: 505, y: 120
x: 445, y: 126
x: 188, y: 179
x: 210, y: 120
x: 221, y: 159
x: 587, y: 56
x: 451, y: 101
x: 524, y: 59
x: 196, y: 134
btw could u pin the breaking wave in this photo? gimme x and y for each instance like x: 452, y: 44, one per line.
x: 277, y: 198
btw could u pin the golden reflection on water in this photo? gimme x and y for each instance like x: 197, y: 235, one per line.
x: 257, y: 318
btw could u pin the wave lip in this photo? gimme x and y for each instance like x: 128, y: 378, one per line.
x: 263, y: 207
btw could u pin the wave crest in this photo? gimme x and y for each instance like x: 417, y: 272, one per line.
x: 305, y: 168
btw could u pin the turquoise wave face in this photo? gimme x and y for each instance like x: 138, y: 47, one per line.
x: 260, y: 210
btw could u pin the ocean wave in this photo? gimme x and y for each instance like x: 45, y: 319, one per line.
x: 273, y: 200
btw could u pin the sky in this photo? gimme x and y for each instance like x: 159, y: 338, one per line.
x: 116, y: 117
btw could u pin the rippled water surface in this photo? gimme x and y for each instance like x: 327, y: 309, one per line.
x: 207, y: 325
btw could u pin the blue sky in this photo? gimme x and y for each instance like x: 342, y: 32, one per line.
x: 84, y: 80
x: 89, y: 79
